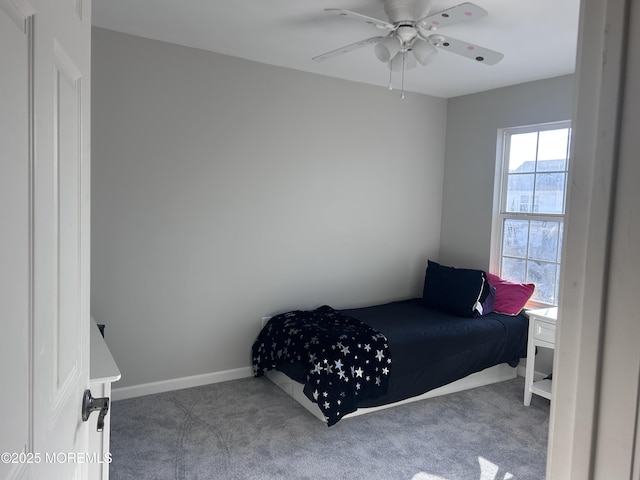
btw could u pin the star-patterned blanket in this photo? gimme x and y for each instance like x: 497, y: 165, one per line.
x: 345, y: 359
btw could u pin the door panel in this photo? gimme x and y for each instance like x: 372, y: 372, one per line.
x: 67, y: 103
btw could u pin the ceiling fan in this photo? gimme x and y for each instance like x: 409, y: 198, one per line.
x: 411, y: 29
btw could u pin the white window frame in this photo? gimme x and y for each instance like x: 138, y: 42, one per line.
x: 500, y: 196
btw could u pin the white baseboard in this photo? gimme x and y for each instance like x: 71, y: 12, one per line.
x: 180, y: 383
x: 208, y: 378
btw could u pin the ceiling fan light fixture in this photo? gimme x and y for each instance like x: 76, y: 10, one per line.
x: 423, y: 51
x: 402, y: 59
x: 387, y: 48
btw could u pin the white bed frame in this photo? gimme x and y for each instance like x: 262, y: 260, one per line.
x: 497, y: 373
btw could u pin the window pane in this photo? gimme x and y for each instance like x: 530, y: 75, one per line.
x: 549, y: 196
x: 552, y: 165
x: 520, y: 193
x: 515, y: 238
x: 522, y: 152
x: 543, y: 274
x: 543, y: 241
x: 513, y: 269
x: 552, y: 148
x: 560, y: 234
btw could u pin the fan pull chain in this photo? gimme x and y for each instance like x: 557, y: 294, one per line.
x: 403, y: 63
x: 390, y: 72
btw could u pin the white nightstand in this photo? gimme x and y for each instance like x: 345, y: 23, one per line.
x: 103, y: 372
x: 542, y: 333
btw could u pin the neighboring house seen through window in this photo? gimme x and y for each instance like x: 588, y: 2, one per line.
x: 531, y: 192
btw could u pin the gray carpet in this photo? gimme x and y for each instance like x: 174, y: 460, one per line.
x: 250, y: 429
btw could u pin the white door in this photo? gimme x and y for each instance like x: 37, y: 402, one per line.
x: 44, y: 203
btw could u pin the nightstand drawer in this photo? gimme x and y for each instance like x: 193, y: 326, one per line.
x: 544, y: 331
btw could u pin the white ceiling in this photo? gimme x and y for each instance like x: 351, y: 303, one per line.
x: 538, y: 37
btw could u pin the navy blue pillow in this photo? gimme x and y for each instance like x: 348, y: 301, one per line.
x: 460, y: 291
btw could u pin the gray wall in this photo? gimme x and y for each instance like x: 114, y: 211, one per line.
x: 470, y: 159
x: 224, y: 190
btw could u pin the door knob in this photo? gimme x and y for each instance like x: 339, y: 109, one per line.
x: 90, y: 404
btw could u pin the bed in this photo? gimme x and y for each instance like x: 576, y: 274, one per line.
x: 338, y: 363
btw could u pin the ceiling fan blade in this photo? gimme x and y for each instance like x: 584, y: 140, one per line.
x: 363, y: 18
x: 346, y: 49
x: 469, y: 50
x: 459, y: 13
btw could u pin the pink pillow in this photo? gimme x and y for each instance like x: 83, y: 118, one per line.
x: 510, y: 297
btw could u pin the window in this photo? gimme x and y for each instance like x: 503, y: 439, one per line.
x: 529, y: 214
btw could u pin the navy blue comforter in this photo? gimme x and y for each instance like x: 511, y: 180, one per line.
x: 431, y: 348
